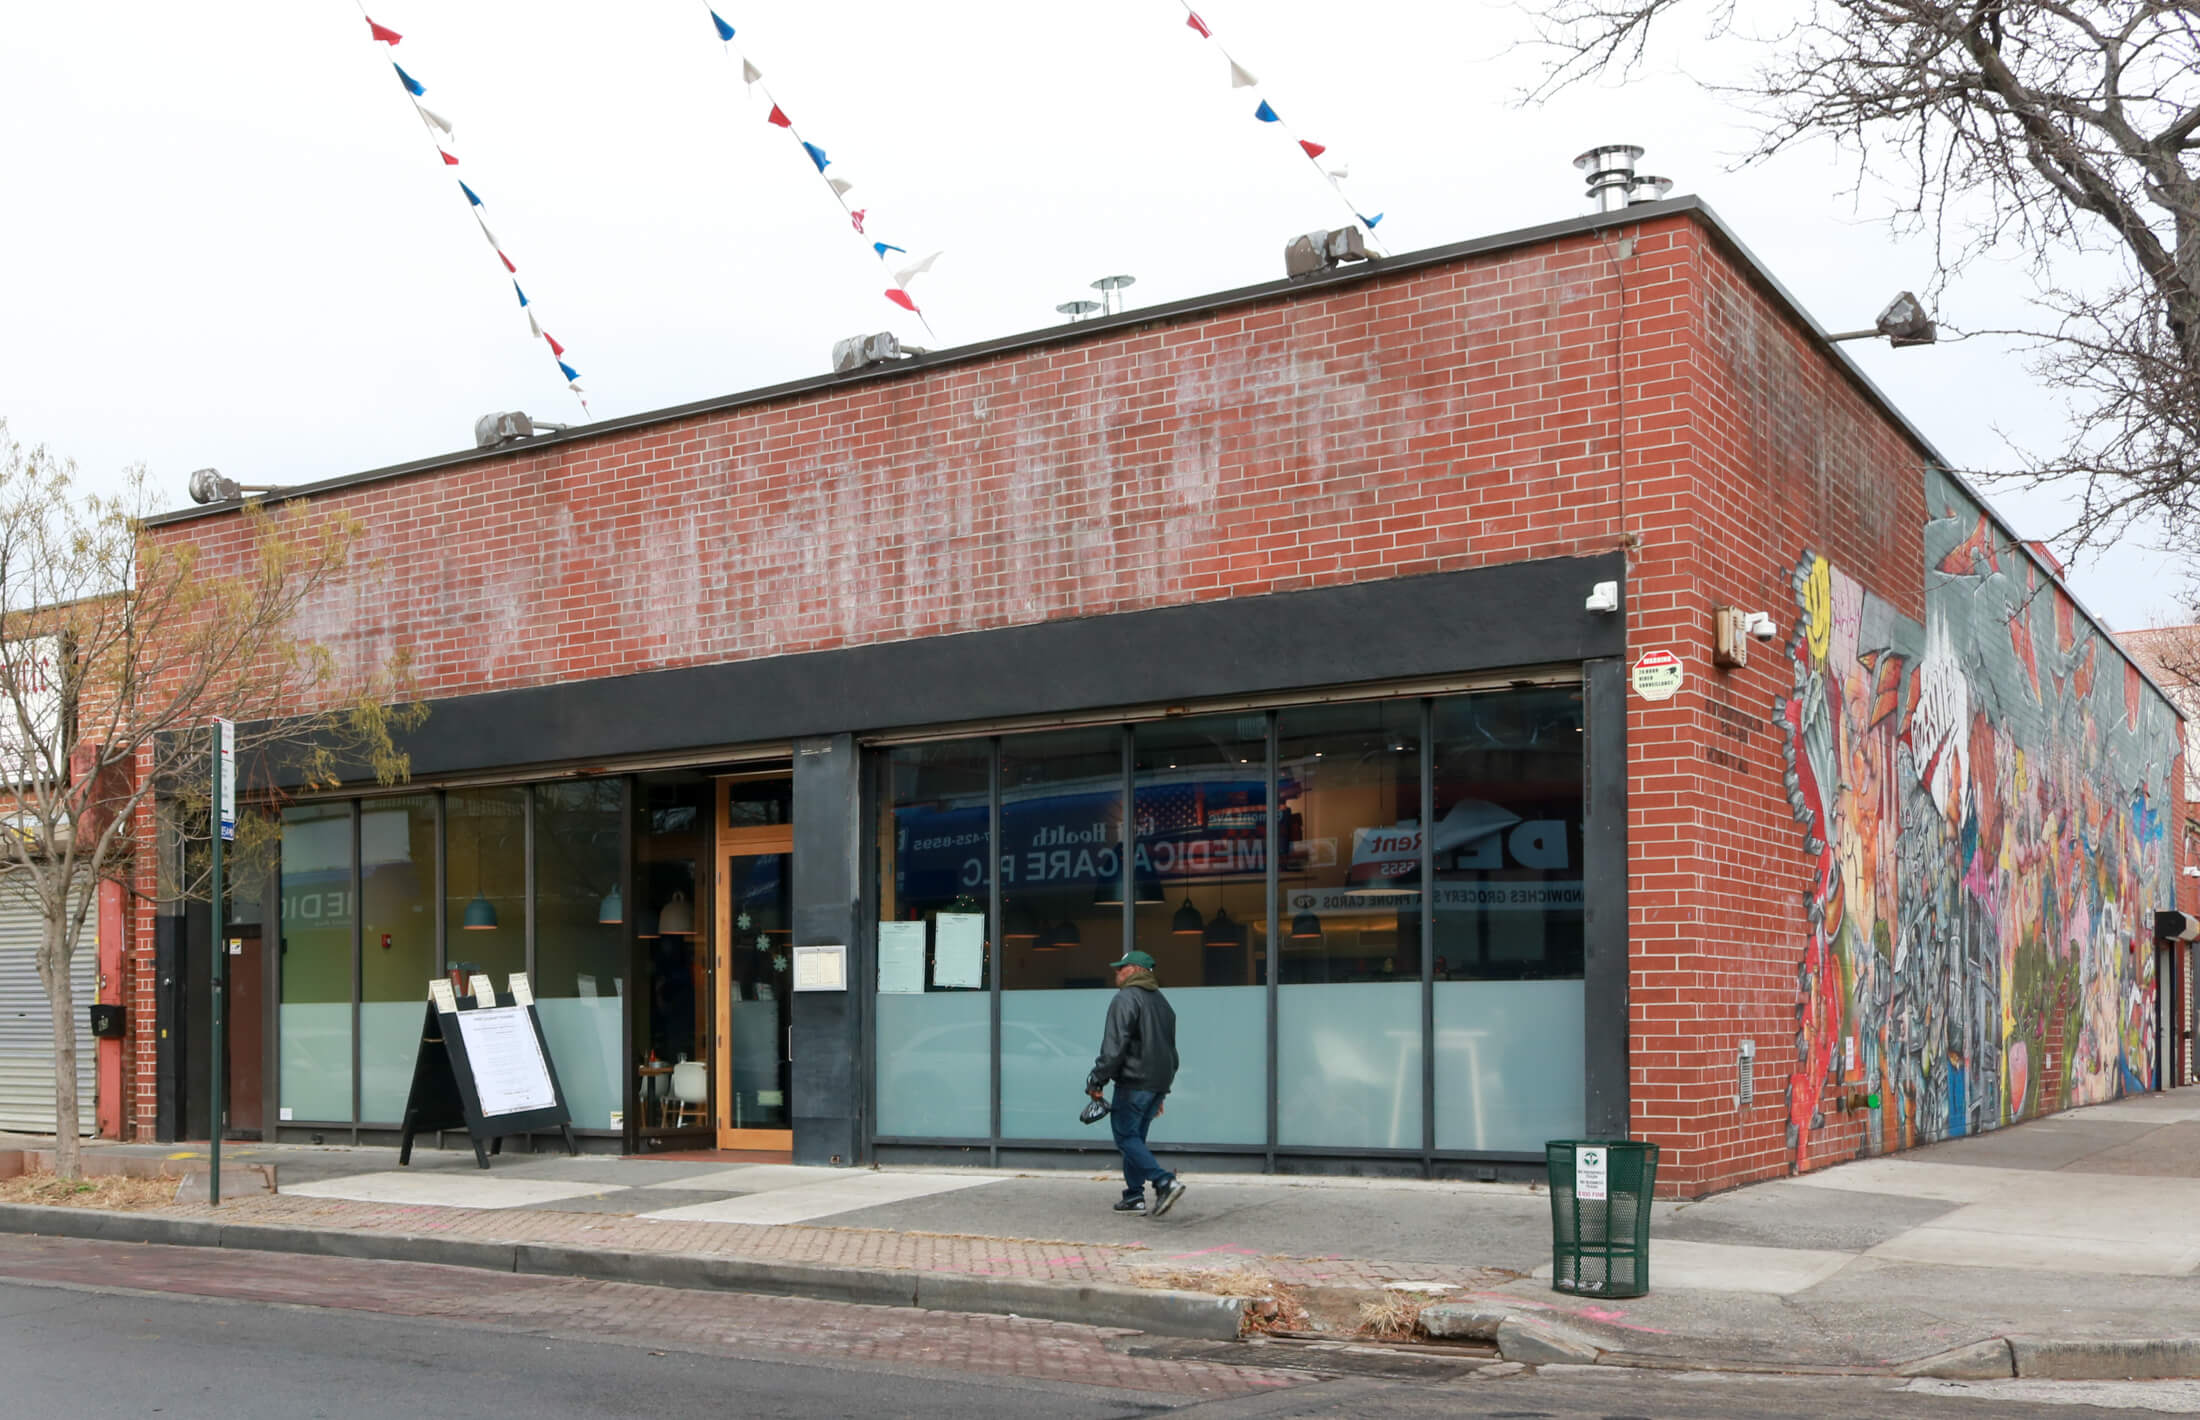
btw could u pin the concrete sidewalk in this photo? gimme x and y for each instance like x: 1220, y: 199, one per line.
x: 2077, y: 1236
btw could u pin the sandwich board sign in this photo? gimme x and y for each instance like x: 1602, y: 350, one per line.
x: 484, y: 1067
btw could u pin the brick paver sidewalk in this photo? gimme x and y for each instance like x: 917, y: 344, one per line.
x: 1027, y: 1258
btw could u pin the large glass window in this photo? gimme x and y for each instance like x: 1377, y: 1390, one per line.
x: 674, y: 837
x: 1509, y: 923
x: 580, y: 940
x: 1348, y: 1024
x: 1200, y: 833
x: 935, y: 1020
x: 397, y: 956
x: 314, y: 1018
x: 1061, y: 882
x: 485, y: 876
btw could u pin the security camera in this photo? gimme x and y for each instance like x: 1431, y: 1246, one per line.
x: 1759, y: 624
x: 1603, y: 597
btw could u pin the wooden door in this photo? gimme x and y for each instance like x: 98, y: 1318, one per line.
x: 753, y: 917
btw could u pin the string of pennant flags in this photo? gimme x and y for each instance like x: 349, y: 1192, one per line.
x: 442, y: 136
x: 1333, y: 171
x: 752, y: 79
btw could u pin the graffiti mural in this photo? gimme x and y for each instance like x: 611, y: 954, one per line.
x: 1984, y: 800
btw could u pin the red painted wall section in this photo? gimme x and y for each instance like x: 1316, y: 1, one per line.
x: 112, y: 915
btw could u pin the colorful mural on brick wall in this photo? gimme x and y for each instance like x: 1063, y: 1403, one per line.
x: 1984, y: 802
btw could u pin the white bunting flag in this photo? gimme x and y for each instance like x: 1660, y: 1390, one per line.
x: 841, y: 186
x: 909, y: 273
x: 1340, y: 172
x: 492, y: 236
x: 1239, y: 78
x: 750, y: 74
x: 531, y: 324
x: 435, y: 118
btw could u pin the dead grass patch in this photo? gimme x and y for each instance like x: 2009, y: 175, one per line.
x: 1275, y: 1305
x: 105, y: 1191
x: 1394, y: 1316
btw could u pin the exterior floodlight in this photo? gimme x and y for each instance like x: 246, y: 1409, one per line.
x: 209, y: 486
x: 493, y: 430
x: 1904, y: 322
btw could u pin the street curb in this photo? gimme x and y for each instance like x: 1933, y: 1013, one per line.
x: 1193, y: 1315
x: 2075, y: 1358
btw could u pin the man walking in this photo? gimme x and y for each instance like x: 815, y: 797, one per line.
x: 1138, y: 1054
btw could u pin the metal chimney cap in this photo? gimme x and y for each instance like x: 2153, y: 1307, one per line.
x: 1610, y: 155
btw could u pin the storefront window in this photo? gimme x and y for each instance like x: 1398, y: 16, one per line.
x: 485, y: 876
x: 397, y: 957
x: 935, y: 954
x: 1509, y: 923
x: 674, y: 833
x: 1063, y: 903
x: 580, y: 940
x: 1200, y: 831
x: 1348, y: 1028
x: 314, y: 1018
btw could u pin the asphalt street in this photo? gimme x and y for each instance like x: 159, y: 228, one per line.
x: 106, y: 1329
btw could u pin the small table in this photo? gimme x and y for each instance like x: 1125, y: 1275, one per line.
x: 650, y: 1073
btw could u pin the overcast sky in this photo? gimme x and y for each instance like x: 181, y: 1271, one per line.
x: 229, y: 243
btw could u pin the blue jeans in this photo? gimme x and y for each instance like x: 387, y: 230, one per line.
x: 1131, y: 1116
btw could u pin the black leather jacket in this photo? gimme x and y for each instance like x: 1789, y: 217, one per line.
x: 1138, y: 1050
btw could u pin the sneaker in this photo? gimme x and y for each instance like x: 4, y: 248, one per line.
x: 1130, y: 1205
x: 1166, y: 1196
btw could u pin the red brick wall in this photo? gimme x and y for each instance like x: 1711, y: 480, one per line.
x: 1753, y: 450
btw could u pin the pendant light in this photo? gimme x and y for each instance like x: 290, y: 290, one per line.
x: 1305, y: 927
x: 1066, y: 935
x: 1187, y: 922
x: 1221, y: 932
x: 481, y: 914
x: 678, y: 917
x: 1022, y: 925
x: 612, y: 910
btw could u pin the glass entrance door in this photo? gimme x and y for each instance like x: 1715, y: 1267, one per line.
x: 755, y: 913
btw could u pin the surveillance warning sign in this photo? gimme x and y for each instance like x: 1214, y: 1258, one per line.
x: 1657, y: 675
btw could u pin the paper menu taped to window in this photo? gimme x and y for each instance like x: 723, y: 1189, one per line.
x: 900, y: 958
x: 958, y: 959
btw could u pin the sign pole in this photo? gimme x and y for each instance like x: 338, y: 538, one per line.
x: 225, y: 829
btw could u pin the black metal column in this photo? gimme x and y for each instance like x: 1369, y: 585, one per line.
x: 828, y: 897
x: 1604, y: 891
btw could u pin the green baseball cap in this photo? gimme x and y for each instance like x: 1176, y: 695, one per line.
x: 1134, y: 958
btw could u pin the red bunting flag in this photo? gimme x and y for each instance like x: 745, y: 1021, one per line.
x: 901, y: 298
x: 780, y: 118
x: 857, y: 217
x: 384, y: 33
x: 1192, y: 18
x: 448, y: 160
x: 555, y: 348
x: 507, y: 261
x: 1313, y: 150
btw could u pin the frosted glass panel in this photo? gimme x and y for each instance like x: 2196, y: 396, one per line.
x: 1221, y: 1090
x: 583, y: 1036
x: 1508, y: 1064
x: 1048, y: 1041
x: 389, y: 1043
x: 935, y: 1064
x: 1348, y: 1065
x: 316, y: 1060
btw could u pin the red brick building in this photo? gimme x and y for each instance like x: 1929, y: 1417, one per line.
x: 1257, y: 631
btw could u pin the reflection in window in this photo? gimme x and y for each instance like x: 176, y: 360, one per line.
x: 485, y: 895
x: 1200, y: 832
x: 397, y: 903
x: 675, y: 835
x: 1509, y: 922
x: 315, y: 1016
x: 1348, y: 1026
x: 1062, y: 886
x: 935, y: 1034
x: 580, y: 939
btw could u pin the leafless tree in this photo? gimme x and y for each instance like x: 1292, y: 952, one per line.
x: 116, y: 653
x: 2060, y: 131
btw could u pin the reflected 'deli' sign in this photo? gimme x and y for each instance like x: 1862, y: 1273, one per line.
x: 1657, y: 675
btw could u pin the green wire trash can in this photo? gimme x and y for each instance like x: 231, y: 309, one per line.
x: 1600, y: 1215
